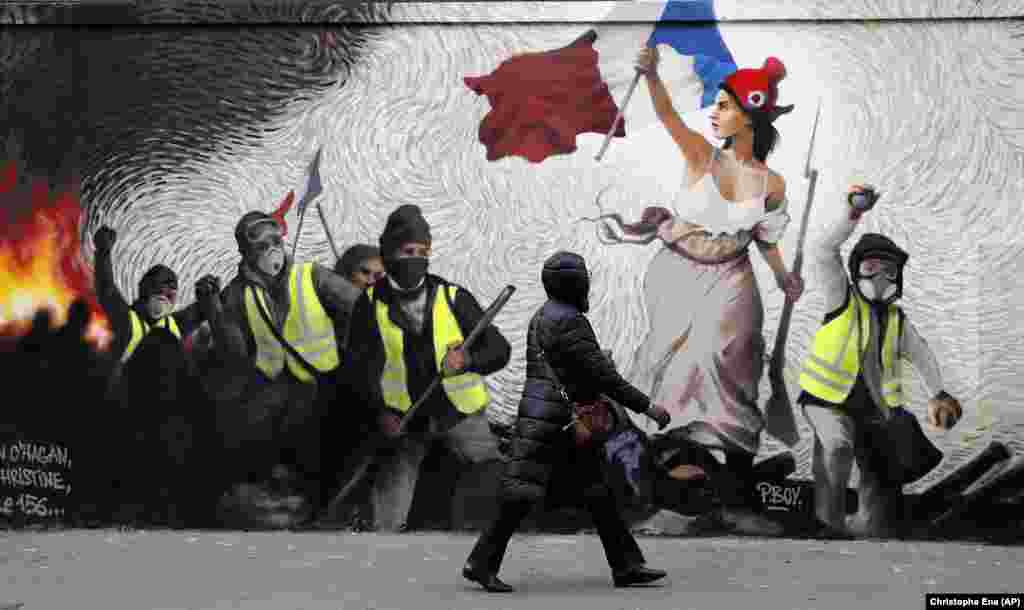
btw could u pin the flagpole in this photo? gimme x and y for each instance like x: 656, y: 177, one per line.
x: 619, y: 116
x: 327, y: 229
x: 313, y: 188
x: 779, y: 419
x: 298, y: 232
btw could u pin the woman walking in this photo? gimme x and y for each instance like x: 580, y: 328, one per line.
x: 563, y: 353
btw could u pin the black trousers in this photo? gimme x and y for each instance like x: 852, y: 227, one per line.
x: 620, y: 547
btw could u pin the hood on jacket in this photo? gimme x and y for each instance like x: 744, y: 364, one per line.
x: 566, y: 279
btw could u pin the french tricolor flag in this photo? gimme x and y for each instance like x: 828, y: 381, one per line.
x: 694, y: 57
x: 540, y: 102
x: 312, y: 189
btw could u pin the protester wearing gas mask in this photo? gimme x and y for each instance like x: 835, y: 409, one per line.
x: 851, y: 378
x: 406, y: 329
x: 278, y: 328
x: 154, y: 306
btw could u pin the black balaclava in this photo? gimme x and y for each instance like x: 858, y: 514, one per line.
x: 877, y: 289
x: 406, y: 224
x: 566, y: 279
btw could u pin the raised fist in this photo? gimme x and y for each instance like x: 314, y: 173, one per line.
x: 207, y: 288
x: 104, y: 239
x: 944, y: 411
x: 647, y: 60
x: 862, y: 197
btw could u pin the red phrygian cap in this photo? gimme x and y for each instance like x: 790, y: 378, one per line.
x: 758, y: 88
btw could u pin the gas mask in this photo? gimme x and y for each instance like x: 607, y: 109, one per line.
x: 271, y: 260
x: 409, y: 272
x: 159, y: 306
x: 260, y: 241
x: 878, y: 280
x: 158, y: 291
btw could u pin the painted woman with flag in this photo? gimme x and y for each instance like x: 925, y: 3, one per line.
x: 705, y: 345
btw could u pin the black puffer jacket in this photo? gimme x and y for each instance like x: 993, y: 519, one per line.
x: 538, y: 443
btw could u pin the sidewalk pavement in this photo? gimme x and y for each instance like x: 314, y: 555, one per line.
x: 163, y: 570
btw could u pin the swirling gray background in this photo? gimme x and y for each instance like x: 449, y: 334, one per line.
x: 930, y: 111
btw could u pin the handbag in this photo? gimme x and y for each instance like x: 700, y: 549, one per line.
x: 908, y: 453
x: 592, y: 422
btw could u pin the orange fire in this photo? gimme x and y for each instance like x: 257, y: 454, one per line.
x: 41, y: 264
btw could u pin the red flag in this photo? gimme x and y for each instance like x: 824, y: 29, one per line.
x: 282, y: 209
x: 540, y: 102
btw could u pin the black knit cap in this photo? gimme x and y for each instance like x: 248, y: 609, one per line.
x: 404, y: 225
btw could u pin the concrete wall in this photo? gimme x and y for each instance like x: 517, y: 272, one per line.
x: 924, y: 100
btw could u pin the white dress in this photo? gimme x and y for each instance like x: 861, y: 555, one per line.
x: 703, y: 356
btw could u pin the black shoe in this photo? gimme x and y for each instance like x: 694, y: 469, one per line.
x: 637, y: 575
x: 490, y: 582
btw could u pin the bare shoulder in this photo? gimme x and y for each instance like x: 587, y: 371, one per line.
x: 776, y: 185
x: 776, y: 195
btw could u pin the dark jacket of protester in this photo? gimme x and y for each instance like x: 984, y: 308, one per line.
x: 489, y: 354
x: 539, y: 443
x: 266, y: 416
x: 336, y: 295
x: 165, y: 408
x: 180, y: 323
x: 233, y: 334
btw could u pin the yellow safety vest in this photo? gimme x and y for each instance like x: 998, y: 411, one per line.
x: 140, y: 329
x: 466, y: 391
x: 307, y: 327
x: 830, y: 371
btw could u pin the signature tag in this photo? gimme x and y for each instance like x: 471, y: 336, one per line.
x: 790, y: 496
x: 783, y: 496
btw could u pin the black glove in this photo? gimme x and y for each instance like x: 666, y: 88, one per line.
x: 207, y: 286
x: 103, y: 240
x: 659, y: 414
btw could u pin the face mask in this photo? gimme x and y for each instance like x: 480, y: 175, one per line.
x: 158, y: 306
x: 271, y: 262
x: 409, y: 272
x: 877, y: 289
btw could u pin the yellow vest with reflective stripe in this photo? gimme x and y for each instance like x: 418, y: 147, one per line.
x: 140, y: 329
x: 307, y: 327
x: 831, y: 370
x: 467, y: 392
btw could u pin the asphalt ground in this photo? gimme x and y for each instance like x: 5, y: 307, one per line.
x: 161, y: 570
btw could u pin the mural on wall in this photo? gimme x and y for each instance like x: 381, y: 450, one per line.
x: 490, y: 116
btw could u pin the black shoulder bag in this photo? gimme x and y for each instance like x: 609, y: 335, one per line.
x: 317, y: 375
x: 907, y: 454
x: 592, y: 422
